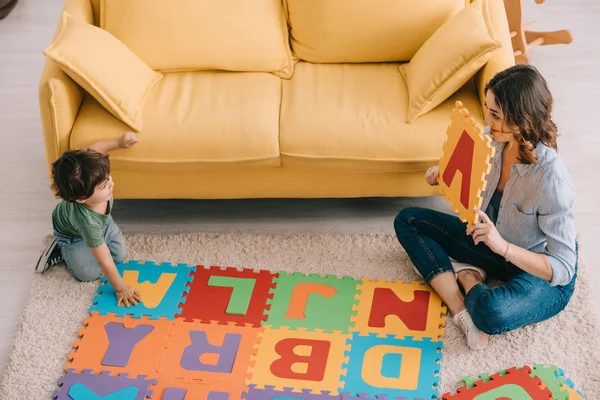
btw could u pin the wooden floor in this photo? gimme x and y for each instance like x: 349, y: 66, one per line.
x: 26, y: 202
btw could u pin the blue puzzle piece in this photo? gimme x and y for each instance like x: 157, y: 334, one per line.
x: 106, y: 300
x: 81, y: 392
x: 92, y: 386
x: 428, y: 364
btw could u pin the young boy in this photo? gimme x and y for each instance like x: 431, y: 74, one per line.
x: 85, y: 236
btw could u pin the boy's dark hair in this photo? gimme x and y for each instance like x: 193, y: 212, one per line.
x: 76, y: 174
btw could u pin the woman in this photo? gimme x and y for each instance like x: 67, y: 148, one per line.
x: 526, y: 236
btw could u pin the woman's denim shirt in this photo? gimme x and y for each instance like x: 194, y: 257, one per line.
x: 536, y: 211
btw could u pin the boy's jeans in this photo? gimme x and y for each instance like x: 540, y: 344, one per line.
x: 80, y: 259
x: 431, y: 237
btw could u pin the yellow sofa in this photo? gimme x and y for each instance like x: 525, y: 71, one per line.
x: 331, y: 122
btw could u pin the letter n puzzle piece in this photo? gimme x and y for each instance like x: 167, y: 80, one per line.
x: 464, y: 164
x: 228, y: 295
x: 399, y: 308
x: 120, y: 344
x: 90, y: 386
x: 161, y: 287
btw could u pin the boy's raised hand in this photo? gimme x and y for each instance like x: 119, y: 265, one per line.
x: 128, y: 140
x: 128, y: 296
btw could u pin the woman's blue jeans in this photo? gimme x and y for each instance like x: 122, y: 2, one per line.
x: 431, y: 237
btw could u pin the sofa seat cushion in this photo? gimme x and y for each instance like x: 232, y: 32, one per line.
x: 210, y: 120
x: 353, y: 117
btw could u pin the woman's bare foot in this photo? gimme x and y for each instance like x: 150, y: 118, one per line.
x: 476, y: 339
x: 468, y: 278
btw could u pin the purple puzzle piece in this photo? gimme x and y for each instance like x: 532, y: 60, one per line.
x: 122, y: 341
x: 269, y: 393
x: 103, y: 384
x: 364, y: 396
x: 179, y: 394
x: 200, y: 345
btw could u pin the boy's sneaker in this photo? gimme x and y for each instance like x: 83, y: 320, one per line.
x: 51, y: 256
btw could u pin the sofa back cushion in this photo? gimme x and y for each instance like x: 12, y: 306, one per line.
x: 355, y: 31
x: 231, y: 35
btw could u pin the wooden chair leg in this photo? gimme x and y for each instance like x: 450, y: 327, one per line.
x: 555, y: 37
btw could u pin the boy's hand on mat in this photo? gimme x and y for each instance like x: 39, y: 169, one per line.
x: 486, y: 232
x: 128, y: 296
x: 432, y: 175
x: 128, y: 140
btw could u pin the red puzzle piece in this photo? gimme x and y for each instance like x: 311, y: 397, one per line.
x: 209, y: 303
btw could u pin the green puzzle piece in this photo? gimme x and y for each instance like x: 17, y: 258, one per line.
x: 328, y: 305
x: 241, y: 295
x: 550, y: 376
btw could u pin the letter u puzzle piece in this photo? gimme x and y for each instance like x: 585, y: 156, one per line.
x: 226, y: 333
x: 464, y: 164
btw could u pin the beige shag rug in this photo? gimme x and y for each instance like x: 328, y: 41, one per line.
x: 57, y: 306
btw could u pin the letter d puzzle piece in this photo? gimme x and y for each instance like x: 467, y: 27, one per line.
x: 91, y: 386
x: 464, y: 164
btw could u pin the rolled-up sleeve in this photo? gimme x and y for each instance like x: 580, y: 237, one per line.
x: 557, y: 221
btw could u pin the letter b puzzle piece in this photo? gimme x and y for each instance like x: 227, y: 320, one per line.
x: 90, y: 386
x: 298, y: 359
x: 392, y: 367
x: 398, y: 308
x: 120, y: 344
x: 312, y: 302
x: 161, y: 287
x: 228, y: 295
x: 464, y: 164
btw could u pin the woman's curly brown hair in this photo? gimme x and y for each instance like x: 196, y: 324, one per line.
x: 522, y: 94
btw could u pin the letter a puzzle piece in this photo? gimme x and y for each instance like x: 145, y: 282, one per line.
x: 161, y: 286
x: 228, y: 295
x: 400, y: 309
x: 90, y: 386
x: 464, y: 164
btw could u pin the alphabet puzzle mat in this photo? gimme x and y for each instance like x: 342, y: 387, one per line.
x: 227, y: 334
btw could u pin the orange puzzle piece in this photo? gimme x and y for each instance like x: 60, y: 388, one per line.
x: 464, y: 164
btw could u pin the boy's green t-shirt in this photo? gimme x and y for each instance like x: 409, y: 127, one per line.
x: 78, y: 220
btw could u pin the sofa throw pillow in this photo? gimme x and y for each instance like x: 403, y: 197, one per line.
x: 449, y: 58
x: 104, y: 67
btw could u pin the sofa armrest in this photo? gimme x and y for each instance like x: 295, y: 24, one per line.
x: 59, y: 96
x: 503, y: 57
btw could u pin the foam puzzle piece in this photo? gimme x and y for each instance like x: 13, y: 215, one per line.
x: 270, y: 393
x: 301, y: 359
x: 102, y: 385
x: 392, y: 367
x: 209, y: 352
x: 152, y: 280
x: 508, y: 383
x: 299, y: 301
x: 240, y: 295
x: 464, y: 164
x: 186, y: 389
x: 398, y: 308
x: 552, y: 379
x: 135, y: 352
x: 210, y: 303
